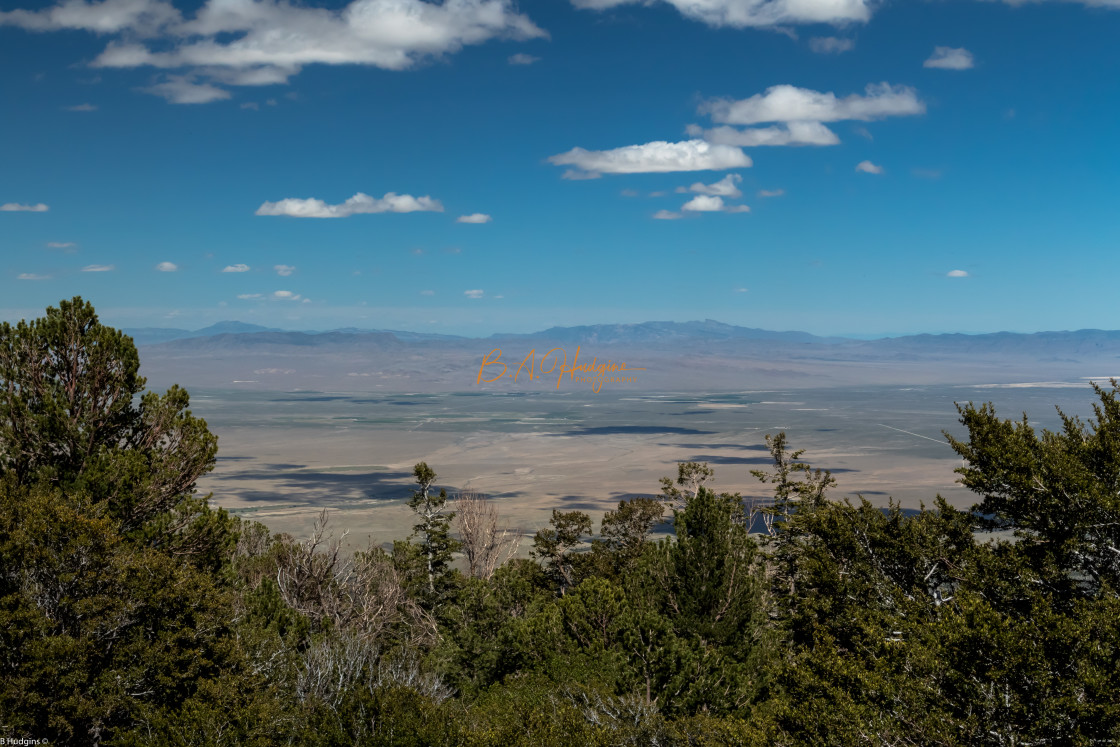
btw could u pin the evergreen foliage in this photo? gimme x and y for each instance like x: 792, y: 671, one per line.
x: 131, y: 613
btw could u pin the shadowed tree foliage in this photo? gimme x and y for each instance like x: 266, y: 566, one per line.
x: 133, y: 614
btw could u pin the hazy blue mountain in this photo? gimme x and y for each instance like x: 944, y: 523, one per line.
x: 656, y: 332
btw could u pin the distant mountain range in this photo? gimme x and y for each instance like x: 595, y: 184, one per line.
x: 709, y: 330
x: 699, y: 355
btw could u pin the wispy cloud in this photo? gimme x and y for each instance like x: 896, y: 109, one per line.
x: 666, y: 215
x: 474, y: 218
x: 655, y: 157
x: 82, y: 108
x: 284, y: 270
x: 427, y: 293
x: 285, y: 295
x: 32, y: 276
x: 771, y: 192
x: 869, y: 168
x: 725, y: 187
x: 792, y: 133
x: 948, y: 58
x: 785, y: 103
x: 249, y: 296
x: 183, y: 89
x: 61, y: 245
x: 167, y: 267
x: 359, y: 204
x: 756, y: 13
x: 99, y: 268
x: 830, y: 44
x: 473, y: 293
x: 19, y: 207
x: 236, y: 268
x: 523, y: 59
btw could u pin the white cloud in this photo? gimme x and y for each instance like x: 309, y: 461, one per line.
x: 869, y: 168
x: 260, y: 42
x: 284, y: 270
x: 32, y: 276
x: 182, y: 89
x: 474, y: 218
x: 167, y: 267
x: 793, y: 133
x: 236, y: 268
x: 286, y: 295
x: 704, y: 204
x: 655, y: 157
x: 830, y: 45
x: 748, y: 13
x: 82, y: 108
x: 737, y: 209
x: 523, y: 59
x: 666, y: 215
x: 360, y: 203
x: 98, y: 268
x: 248, y: 296
x: 725, y: 187
x: 473, y: 293
x: 143, y: 17
x: 948, y: 58
x: 785, y: 103
x: 956, y: 274
x: 771, y: 192
x: 61, y: 245
x: 17, y: 207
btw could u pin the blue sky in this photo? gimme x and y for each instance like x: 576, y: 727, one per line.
x: 835, y: 166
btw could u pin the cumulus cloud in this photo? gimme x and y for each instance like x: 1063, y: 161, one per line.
x: 283, y: 295
x: 360, y: 203
x: 712, y: 204
x: 704, y: 204
x: 869, y: 168
x: 18, y: 207
x: 830, y: 45
x: 473, y: 293
x: 261, y: 42
x: 756, y: 13
x: 99, y: 268
x: 771, y: 192
x: 948, y: 58
x: 61, y: 245
x: 236, y: 268
x: 474, y: 218
x: 167, y: 267
x: 666, y: 215
x: 792, y: 133
x: 32, y: 276
x: 725, y: 187
x: 284, y: 270
x: 523, y: 59
x: 656, y: 157
x: 786, y: 103
x: 956, y: 274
